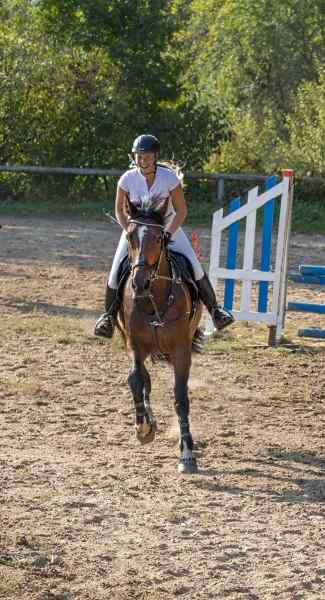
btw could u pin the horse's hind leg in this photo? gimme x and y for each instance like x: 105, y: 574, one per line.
x: 187, y: 463
x: 139, y: 381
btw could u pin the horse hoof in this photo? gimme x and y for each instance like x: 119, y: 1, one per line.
x: 146, y: 437
x: 187, y: 466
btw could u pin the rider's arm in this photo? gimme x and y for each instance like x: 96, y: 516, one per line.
x: 120, y: 202
x: 179, y: 204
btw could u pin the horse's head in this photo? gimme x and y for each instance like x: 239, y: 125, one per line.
x: 145, y: 236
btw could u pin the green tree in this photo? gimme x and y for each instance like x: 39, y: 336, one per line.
x: 79, y: 80
x: 138, y: 41
x: 249, y: 147
x: 248, y: 60
x: 55, y: 100
x: 243, y: 53
x: 306, y: 127
x: 134, y: 42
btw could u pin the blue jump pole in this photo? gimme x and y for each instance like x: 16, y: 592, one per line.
x: 313, y: 332
x: 312, y: 270
x: 305, y: 307
x: 231, y: 256
x: 268, y: 216
x: 310, y: 279
x: 309, y: 274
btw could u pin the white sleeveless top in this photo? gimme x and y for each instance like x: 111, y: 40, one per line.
x: 135, y: 185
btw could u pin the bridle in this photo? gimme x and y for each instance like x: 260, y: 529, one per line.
x: 154, y: 275
x: 154, y: 268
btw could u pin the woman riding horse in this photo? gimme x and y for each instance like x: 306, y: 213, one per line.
x: 149, y: 182
x: 156, y: 313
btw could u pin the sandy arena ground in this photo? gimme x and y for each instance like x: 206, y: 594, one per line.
x: 88, y: 514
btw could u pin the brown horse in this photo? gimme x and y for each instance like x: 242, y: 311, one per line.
x: 157, y: 316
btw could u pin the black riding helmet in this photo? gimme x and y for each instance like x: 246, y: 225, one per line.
x: 146, y: 143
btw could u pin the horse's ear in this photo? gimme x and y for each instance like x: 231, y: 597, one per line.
x: 162, y: 208
x: 131, y: 209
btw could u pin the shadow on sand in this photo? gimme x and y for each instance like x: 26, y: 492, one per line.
x: 305, y: 486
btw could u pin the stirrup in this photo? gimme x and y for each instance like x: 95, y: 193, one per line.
x: 104, y: 326
x: 221, y: 317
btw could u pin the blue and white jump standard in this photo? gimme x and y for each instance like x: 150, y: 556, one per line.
x: 310, y: 275
x: 273, y: 317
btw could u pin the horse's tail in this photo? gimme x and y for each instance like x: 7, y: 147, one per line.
x: 198, y: 341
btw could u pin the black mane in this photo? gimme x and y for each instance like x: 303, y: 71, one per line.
x: 150, y: 215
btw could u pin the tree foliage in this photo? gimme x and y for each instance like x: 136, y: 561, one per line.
x: 251, y: 53
x: 250, y: 59
x: 225, y: 84
x: 306, y: 127
x: 136, y: 38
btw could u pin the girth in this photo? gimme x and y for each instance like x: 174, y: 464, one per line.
x: 181, y: 274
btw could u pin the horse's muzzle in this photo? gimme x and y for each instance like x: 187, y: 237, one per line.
x: 142, y: 291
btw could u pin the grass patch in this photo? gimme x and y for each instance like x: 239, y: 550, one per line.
x: 11, y: 581
x: 62, y: 330
x: 244, y: 336
x: 308, y: 217
x: 56, y: 207
x: 13, y: 385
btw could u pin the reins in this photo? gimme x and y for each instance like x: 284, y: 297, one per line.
x: 144, y: 223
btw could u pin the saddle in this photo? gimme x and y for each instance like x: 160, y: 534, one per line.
x: 181, y: 271
x: 122, y: 275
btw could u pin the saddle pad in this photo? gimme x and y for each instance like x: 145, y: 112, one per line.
x: 182, y: 269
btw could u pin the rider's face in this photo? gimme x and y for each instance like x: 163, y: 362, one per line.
x: 145, y: 160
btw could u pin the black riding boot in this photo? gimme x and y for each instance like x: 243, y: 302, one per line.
x: 106, y: 323
x: 220, y: 316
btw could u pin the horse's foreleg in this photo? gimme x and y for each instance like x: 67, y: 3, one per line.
x: 136, y: 383
x: 139, y: 381
x: 187, y: 463
x: 147, y: 390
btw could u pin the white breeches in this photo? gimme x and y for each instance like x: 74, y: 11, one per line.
x: 180, y: 244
